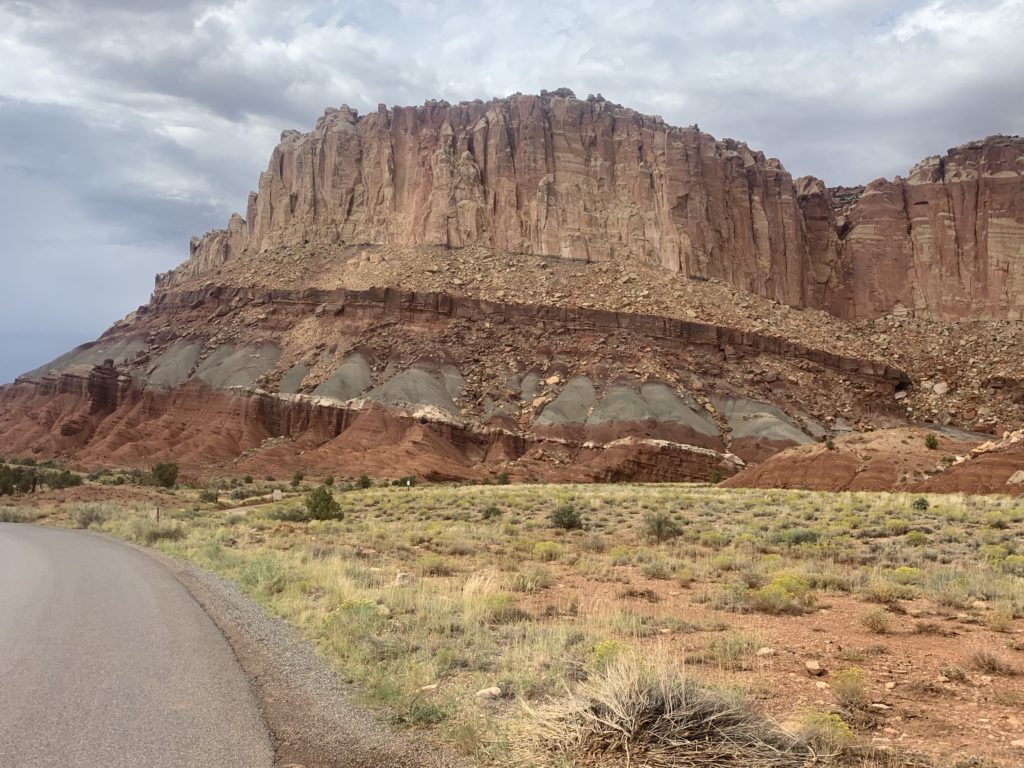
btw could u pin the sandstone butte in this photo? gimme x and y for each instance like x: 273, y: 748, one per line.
x: 566, y: 289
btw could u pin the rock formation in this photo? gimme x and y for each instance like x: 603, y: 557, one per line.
x: 591, y: 180
x: 561, y: 289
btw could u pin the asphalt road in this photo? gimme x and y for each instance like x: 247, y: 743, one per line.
x: 107, y: 661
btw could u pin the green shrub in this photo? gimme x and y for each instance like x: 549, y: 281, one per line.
x: 501, y: 478
x: 827, y: 733
x: 896, y: 526
x: 297, y: 479
x: 18, y: 480
x: 882, y: 590
x: 604, y: 653
x: 995, y: 519
x: 915, y: 538
x: 291, y: 515
x: 714, y: 539
x: 1001, y: 618
x: 491, y: 512
x: 329, y: 481
x: 567, y: 517
x: 785, y: 594
x: 59, y: 479
x: 209, y: 496
x: 931, y: 442
x: 920, y: 504
x: 89, y: 515
x: 657, y: 569
x: 661, y: 526
x: 165, y: 474
x: 364, y: 482
x: 795, y: 536
x: 321, y: 505
x: 264, y: 573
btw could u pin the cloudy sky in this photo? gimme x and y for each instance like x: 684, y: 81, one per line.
x: 128, y: 125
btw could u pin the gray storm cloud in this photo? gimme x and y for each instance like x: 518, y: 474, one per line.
x: 128, y: 125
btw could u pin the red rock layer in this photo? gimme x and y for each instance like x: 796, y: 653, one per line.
x: 104, y: 420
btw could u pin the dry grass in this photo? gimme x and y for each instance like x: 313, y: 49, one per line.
x: 991, y: 663
x: 418, y: 587
x: 643, y: 713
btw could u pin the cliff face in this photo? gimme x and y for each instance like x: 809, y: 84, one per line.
x: 548, y: 175
x: 946, y: 242
x: 590, y: 180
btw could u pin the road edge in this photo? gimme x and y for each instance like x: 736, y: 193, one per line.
x: 310, y: 713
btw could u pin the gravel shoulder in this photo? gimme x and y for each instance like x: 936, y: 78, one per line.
x: 313, y: 717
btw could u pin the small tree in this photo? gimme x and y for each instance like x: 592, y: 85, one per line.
x: 931, y: 442
x: 329, y: 481
x: 165, y: 475
x: 364, y: 481
x: 321, y: 505
x: 296, y: 479
x: 502, y: 478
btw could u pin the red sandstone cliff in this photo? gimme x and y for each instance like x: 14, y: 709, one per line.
x: 946, y: 242
x: 591, y: 180
x: 547, y: 174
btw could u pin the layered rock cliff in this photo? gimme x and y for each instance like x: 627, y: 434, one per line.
x: 557, y: 289
x: 946, y: 242
x: 591, y: 180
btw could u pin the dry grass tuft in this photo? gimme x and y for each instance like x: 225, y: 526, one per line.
x: 990, y: 663
x: 649, y: 713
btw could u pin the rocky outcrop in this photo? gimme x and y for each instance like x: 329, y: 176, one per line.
x: 591, y: 180
x: 885, y: 460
